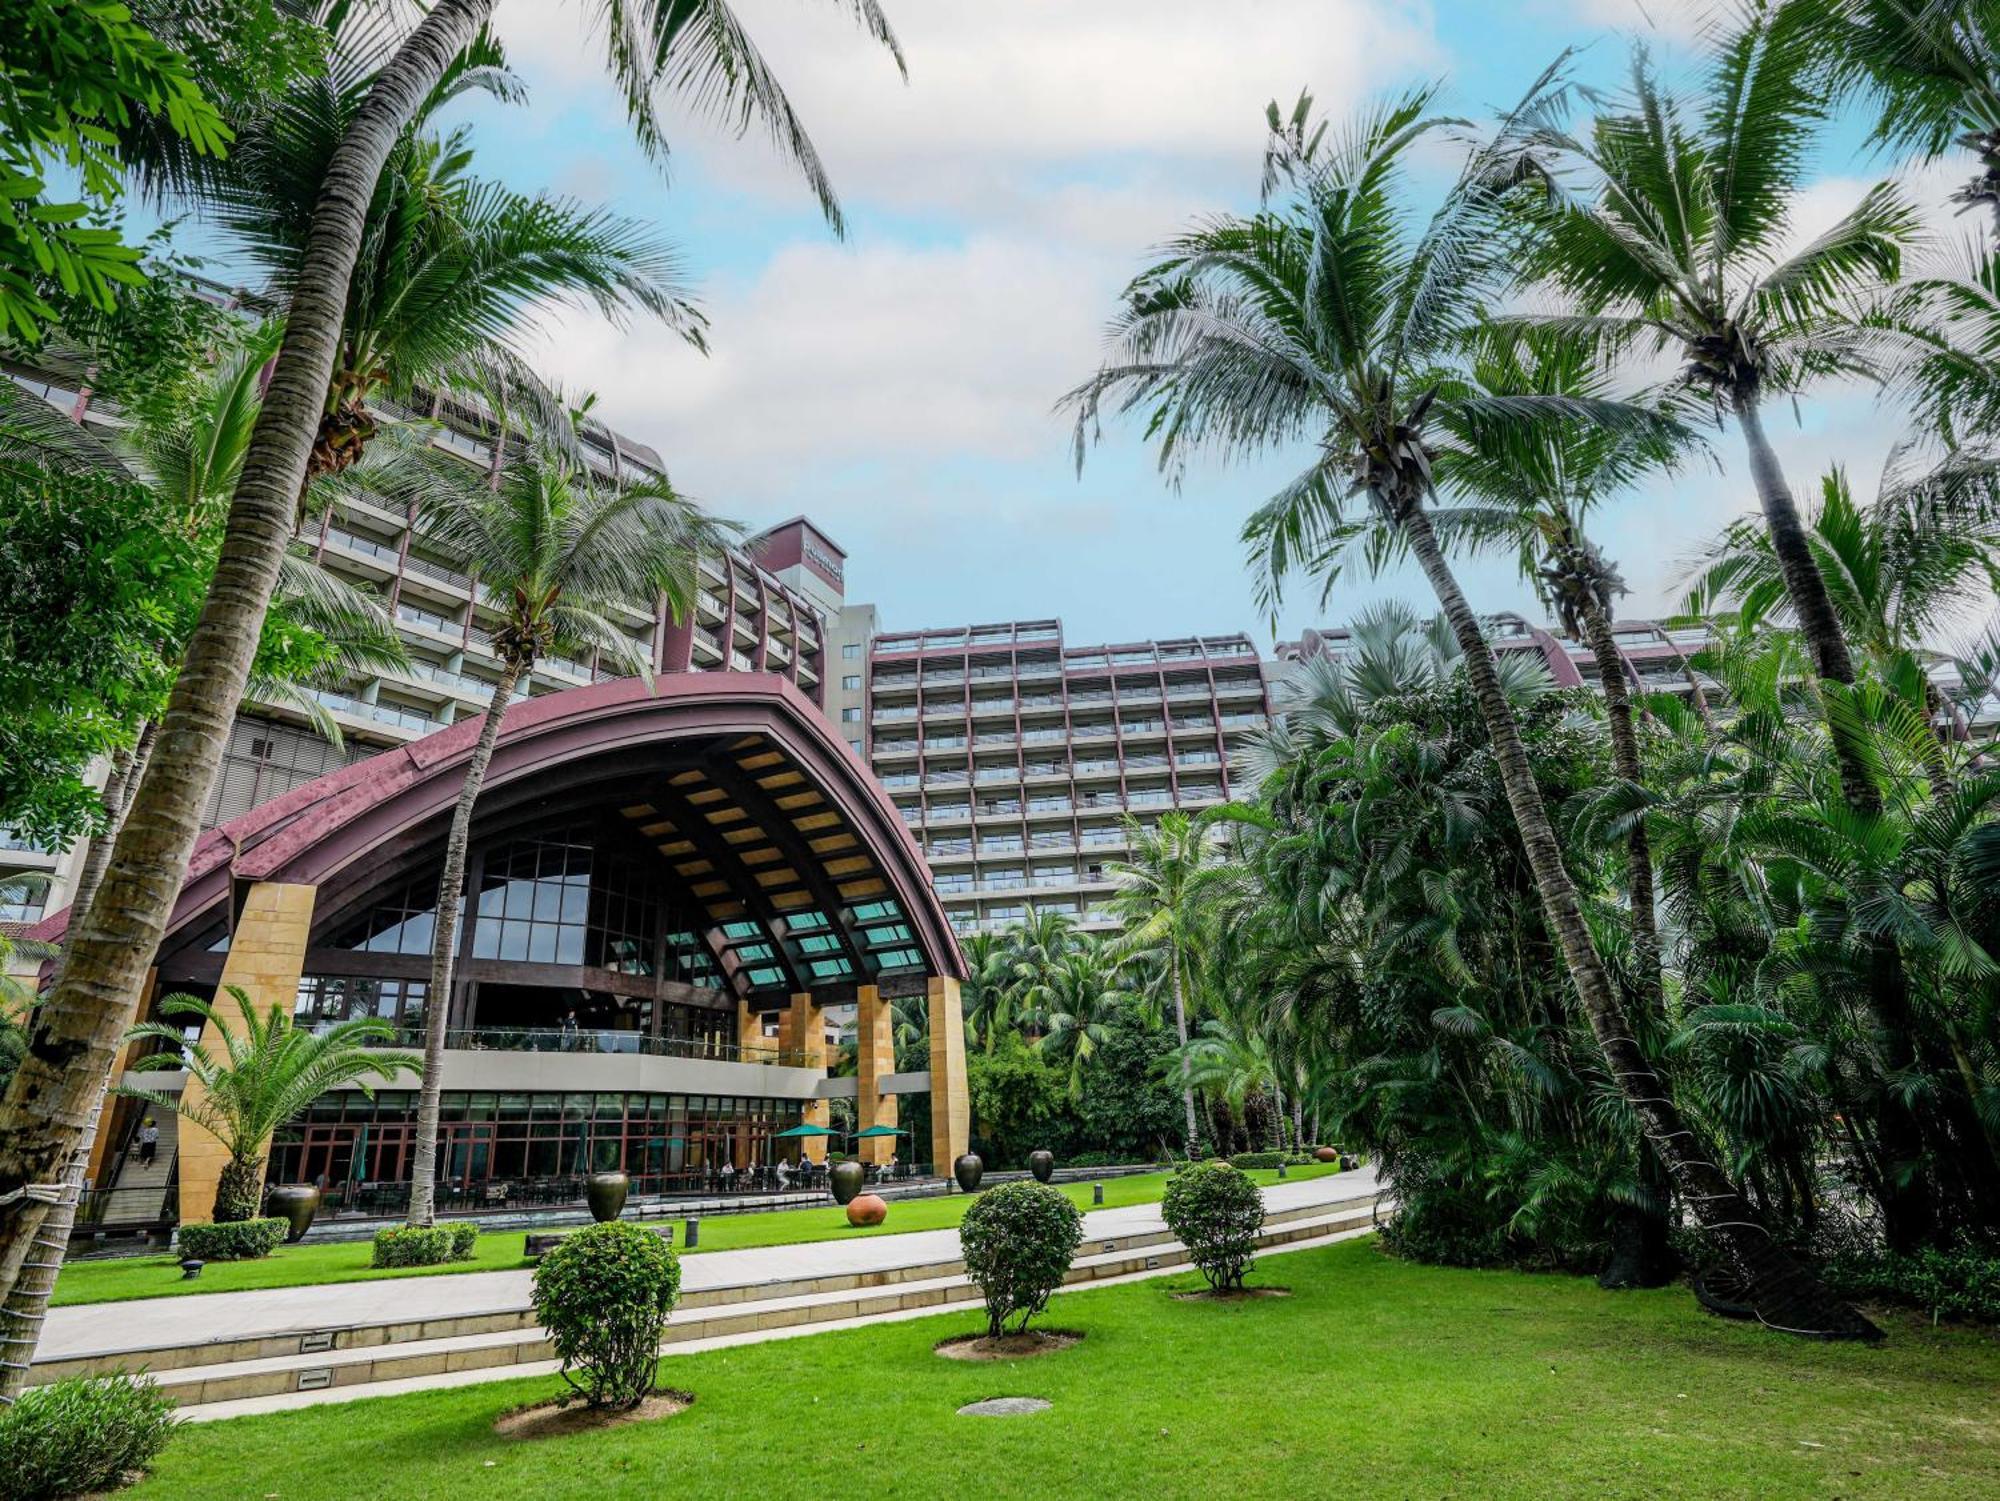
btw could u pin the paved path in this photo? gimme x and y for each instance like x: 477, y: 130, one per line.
x: 195, y: 1318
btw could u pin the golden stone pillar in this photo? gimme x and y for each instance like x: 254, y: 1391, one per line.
x: 874, y: 1061
x: 267, y: 954
x: 951, y: 1105
x: 803, y: 1035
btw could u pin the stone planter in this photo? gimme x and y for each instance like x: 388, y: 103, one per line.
x: 296, y: 1204
x: 1042, y: 1165
x: 1326, y: 1154
x: 847, y: 1179
x: 868, y: 1209
x: 605, y: 1194
x: 969, y: 1170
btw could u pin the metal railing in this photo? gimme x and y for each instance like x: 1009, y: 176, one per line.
x: 595, y: 1040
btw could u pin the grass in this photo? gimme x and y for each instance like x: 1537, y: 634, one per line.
x: 1376, y: 1378
x: 125, y: 1278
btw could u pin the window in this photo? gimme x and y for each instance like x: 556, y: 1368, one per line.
x: 534, y: 901
x: 852, y: 682
x: 849, y: 650
x: 855, y: 746
x: 850, y: 716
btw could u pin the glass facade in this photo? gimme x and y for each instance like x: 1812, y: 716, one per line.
x: 498, y: 1148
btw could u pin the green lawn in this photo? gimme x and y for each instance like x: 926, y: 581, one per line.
x: 114, y: 1281
x: 1377, y: 1378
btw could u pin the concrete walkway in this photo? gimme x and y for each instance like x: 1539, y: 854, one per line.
x: 202, y: 1318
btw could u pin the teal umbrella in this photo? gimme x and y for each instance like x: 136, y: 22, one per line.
x: 878, y: 1131
x: 809, y: 1130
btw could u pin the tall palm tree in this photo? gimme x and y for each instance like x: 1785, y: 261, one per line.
x: 695, y: 51
x: 1158, y: 890
x: 555, y: 549
x: 1676, y: 241
x: 1337, y: 321
x: 268, y: 1072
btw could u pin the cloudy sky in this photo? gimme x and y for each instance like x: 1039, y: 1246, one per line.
x: 899, y: 386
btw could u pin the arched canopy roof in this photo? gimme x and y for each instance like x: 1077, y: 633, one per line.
x: 764, y: 822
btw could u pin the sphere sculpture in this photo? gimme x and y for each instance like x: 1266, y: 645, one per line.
x: 868, y: 1209
x: 1042, y: 1165
x: 968, y: 1170
x: 846, y: 1180
x: 1326, y: 1154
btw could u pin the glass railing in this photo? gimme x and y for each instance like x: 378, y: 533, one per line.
x: 592, y: 1040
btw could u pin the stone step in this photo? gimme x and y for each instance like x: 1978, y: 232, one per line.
x: 322, y: 1340
x: 505, y: 1340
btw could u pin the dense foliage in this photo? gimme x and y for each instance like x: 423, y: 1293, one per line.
x: 425, y: 1245
x: 82, y: 1435
x: 1018, y: 1242
x: 603, y: 1294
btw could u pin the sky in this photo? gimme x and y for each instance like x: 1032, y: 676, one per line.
x: 900, y: 385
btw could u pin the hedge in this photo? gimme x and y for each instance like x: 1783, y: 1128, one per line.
x: 425, y: 1245
x: 233, y: 1240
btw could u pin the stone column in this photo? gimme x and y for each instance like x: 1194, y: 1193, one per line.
x: 951, y: 1105
x: 875, y: 1060
x: 267, y: 954
x: 803, y: 1035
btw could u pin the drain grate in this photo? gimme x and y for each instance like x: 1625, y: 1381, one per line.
x: 316, y: 1380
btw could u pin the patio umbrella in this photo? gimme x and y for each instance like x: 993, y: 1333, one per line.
x: 878, y: 1131
x: 809, y: 1130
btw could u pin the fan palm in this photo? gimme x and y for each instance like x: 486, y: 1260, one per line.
x: 267, y: 1073
x: 692, y: 51
x: 1677, y: 239
x: 1339, y: 322
x: 1079, y: 999
x: 555, y: 549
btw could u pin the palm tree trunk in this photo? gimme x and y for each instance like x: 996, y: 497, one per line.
x: 1784, y: 1292
x: 1180, y: 1028
x: 53, y: 1095
x: 444, y: 951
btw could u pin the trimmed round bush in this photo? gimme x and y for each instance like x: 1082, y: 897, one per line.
x: 233, y: 1240
x: 1018, y: 1242
x: 1216, y: 1213
x: 81, y: 1434
x: 424, y: 1245
x: 603, y: 1294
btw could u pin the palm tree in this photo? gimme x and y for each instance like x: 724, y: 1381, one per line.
x: 1156, y: 901
x: 1232, y: 1058
x: 988, y: 994
x: 450, y: 266
x: 555, y: 549
x: 1677, y: 244
x: 1932, y: 69
x: 697, y: 51
x: 1079, y: 997
x: 1338, y: 322
x: 269, y: 1071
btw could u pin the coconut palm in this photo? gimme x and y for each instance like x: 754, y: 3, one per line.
x: 1079, y: 998
x: 555, y: 549
x: 1932, y: 70
x: 1339, y: 321
x: 693, y: 52
x: 266, y: 1074
x: 1677, y: 240
x: 1156, y: 900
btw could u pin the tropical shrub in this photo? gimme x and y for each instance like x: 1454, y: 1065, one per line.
x: 1248, y: 1160
x: 233, y: 1240
x: 1959, y: 1282
x: 1216, y: 1213
x: 425, y: 1245
x: 81, y: 1435
x: 1018, y: 1242
x: 604, y: 1294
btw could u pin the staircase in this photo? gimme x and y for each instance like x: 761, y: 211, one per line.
x: 230, y: 1374
x: 137, y: 1193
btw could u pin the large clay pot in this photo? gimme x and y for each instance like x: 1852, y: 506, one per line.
x: 1326, y: 1154
x: 1042, y: 1165
x: 605, y: 1194
x: 869, y: 1209
x: 969, y: 1170
x: 296, y: 1203
x: 847, y: 1179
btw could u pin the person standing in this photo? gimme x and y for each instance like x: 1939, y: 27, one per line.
x: 149, y: 1142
